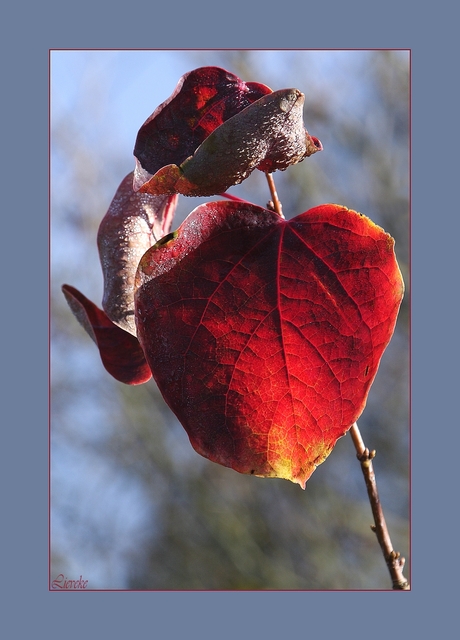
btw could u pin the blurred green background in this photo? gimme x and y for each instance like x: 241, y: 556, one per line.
x: 132, y: 505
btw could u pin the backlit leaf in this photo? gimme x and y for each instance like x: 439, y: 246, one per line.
x: 121, y: 353
x: 264, y: 335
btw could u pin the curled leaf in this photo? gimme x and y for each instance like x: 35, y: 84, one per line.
x: 264, y: 335
x: 268, y: 134
x: 203, y: 99
x: 132, y: 224
x: 121, y: 353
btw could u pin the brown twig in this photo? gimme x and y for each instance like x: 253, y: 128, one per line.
x: 275, y: 200
x: 393, y: 559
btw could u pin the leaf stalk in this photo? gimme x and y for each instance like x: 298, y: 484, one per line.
x: 275, y: 200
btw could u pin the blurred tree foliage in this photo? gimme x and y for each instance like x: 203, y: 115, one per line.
x: 133, y: 506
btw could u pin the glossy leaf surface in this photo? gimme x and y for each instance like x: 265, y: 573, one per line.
x: 132, y: 224
x: 268, y: 134
x: 265, y: 335
x: 203, y: 99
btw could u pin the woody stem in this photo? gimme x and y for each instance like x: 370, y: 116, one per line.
x: 393, y: 559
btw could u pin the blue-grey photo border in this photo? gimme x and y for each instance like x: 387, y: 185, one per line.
x: 26, y: 323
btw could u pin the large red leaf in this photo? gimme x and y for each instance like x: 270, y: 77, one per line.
x: 264, y: 335
x: 268, y: 135
x: 203, y: 99
x: 121, y: 353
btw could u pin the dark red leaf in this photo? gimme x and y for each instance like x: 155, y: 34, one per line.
x: 265, y: 335
x: 203, y: 99
x: 121, y: 353
x: 132, y: 224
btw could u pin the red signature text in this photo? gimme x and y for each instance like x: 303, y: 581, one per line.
x: 61, y: 582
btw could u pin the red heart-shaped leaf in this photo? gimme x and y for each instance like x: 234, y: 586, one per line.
x: 121, y: 353
x: 203, y: 99
x: 265, y: 335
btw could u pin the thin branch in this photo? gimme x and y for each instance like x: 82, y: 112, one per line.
x: 393, y: 559
x: 275, y: 200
